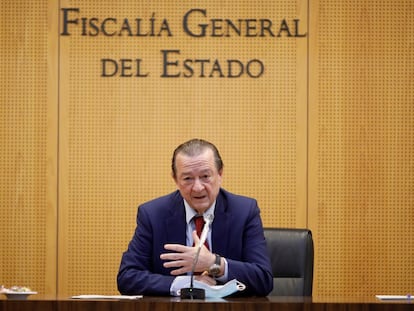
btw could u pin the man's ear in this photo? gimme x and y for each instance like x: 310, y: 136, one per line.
x: 220, y: 173
x: 174, y: 177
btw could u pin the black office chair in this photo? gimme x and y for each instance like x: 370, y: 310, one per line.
x: 291, y: 255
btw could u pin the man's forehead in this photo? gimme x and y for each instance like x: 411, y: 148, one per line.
x: 206, y: 156
x: 195, y: 164
x: 202, y: 165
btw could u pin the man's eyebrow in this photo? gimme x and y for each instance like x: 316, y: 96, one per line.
x: 207, y: 170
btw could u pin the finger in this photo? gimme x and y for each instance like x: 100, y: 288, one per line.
x: 196, y: 239
x: 180, y: 271
x: 177, y: 248
x: 171, y: 256
x: 188, y: 256
x: 181, y: 265
x: 175, y: 264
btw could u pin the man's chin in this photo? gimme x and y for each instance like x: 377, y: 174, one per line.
x: 200, y: 206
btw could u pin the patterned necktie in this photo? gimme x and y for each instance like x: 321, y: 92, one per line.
x: 199, y: 224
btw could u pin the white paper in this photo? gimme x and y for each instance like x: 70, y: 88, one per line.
x: 394, y: 297
x: 107, y: 297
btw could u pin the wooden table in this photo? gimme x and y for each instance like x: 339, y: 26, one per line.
x: 234, y: 304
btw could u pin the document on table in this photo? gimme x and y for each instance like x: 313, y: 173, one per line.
x: 125, y: 297
x: 394, y: 297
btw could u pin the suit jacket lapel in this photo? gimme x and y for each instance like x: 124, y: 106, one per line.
x: 221, y: 226
x: 175, y: 225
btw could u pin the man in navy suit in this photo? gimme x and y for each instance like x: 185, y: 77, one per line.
x: 160, y: 255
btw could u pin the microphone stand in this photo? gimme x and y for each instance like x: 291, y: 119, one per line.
x: 191, y: 292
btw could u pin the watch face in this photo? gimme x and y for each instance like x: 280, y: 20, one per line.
x: 214, y: 270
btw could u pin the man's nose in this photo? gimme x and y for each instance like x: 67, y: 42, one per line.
x: 198, y: 185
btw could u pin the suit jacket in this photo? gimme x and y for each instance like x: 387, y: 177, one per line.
x: 237, y: 235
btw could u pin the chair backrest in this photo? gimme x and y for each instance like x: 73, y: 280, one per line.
x: 291, y: 255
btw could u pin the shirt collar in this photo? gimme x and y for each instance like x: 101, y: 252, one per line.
x: 190, y: 213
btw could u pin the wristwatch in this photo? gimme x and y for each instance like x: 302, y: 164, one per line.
x: 214, y: 269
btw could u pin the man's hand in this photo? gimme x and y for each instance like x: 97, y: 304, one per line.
x: 182, y: 258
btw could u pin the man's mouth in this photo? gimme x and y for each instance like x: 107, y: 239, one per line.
x: 199, y: 197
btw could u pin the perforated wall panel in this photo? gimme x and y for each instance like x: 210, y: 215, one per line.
x: 24, y: 177
x: 118, y: 133
x: 362, y: 198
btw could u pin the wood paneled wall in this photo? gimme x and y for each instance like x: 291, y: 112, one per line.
x: 323, y: 139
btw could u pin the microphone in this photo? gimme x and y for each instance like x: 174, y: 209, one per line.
x: 191, y: 292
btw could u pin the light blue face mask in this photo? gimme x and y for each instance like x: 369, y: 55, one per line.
x: 220, y: 291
